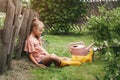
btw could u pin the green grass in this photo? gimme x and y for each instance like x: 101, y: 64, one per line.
x: 58, y: 45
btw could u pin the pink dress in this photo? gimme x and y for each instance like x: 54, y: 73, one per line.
x: 34, y: 46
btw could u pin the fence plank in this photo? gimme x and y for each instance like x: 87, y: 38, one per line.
x: 1, y: 30
x: 14, y: 26
x: 18, y: 7
x: 3, y: 5
x: 26, y: 12
x: 7, y: 34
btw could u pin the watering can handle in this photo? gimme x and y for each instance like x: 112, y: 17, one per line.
x: 75, y: 43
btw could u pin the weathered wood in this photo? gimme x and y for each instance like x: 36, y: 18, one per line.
x: 22, y: 32
x: 17, y: 19
x: 7, y: 31
x: 15, y: 26
x: 9, y: 55
x: 3, y: 5
x: 1, y: 30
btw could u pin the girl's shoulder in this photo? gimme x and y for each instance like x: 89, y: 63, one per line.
x: 32, y: 39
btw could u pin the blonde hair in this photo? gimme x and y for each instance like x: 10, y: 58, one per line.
x: 35, y: 23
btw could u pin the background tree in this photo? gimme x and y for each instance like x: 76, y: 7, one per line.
x: 59, y: 14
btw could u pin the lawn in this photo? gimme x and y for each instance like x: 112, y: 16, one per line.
x: 58, y: 45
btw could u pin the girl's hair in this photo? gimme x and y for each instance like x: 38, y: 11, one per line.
x: 35, y: 23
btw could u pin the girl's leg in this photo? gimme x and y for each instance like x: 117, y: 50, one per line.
x: 62, y: 58
x: 47, y: 60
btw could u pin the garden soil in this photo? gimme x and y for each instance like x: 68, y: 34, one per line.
x: 20, y: 70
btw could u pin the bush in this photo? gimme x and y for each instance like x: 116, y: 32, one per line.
x: 106, y: 32
x: 105, y: 27
x: 58, y: 14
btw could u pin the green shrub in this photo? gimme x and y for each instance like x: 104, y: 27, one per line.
x: 106, y: 32
x: 105, y: 27
x: 58, y: 14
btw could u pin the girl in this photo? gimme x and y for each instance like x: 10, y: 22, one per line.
x: 33, y: 45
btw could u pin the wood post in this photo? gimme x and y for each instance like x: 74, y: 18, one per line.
x: 3, y: 5
x: 17, y: 24
x: 6, y: 36
x: 17, y: 19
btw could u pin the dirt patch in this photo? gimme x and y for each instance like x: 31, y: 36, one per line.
x: 20, y: 70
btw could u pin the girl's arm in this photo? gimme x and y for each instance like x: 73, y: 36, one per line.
x: 35, y: 62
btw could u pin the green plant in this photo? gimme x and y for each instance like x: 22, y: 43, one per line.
x: 112, y: 56
x: 106, y: 32
x: 105, y: 26
x: 58, y: 14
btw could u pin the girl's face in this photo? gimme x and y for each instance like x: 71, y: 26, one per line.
x: 37, y: 31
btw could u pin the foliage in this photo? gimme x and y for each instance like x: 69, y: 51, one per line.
x: 59, y: 14
x: 106, y: 32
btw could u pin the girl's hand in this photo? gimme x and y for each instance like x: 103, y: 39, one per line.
x: 41, y: 66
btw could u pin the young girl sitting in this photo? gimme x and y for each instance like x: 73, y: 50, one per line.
x: 33, y: 45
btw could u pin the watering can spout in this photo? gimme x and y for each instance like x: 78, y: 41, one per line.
x: 88, y: 48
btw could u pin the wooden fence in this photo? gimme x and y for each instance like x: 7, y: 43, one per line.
x: 16, y: 27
